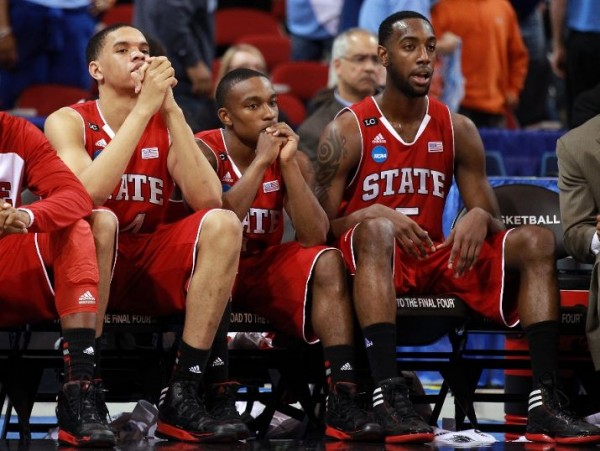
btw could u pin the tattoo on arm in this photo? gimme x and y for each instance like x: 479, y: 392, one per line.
x: 329, y: 154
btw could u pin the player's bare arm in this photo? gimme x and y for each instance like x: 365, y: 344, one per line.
x: 65, y: 131
x: 483, y: 213
x: 309, y: 219
x: 338, y: 156
x: 208, y: 154
x: 190, y: 169
x: 333, y: 166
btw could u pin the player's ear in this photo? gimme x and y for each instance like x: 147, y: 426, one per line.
x: 383, y: 55
x: 95, y: 71
x: 224, y: 117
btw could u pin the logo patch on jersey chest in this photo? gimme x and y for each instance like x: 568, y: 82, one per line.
x: 379, y: 139
x: 379, y: 154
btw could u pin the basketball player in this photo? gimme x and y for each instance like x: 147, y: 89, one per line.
x: 51, y: 236
x: 385, y: 168
x: 129, y: 148
x: 299, y: 285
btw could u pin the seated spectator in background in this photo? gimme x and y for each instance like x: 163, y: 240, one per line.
x: 48, y: 237
x: 300, y: 286
x: 578, y: 153
x: 135, y: 147
x: 45, y: 44
x: 354, y: 72
x: 241, y: 55
x: 493, y: 78
x: 388, y: 169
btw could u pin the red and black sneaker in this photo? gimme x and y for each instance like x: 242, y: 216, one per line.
x: 395, y: 412
x: 345, y: 419
x: 549, y: 421
x: 79, y: 422
x: 220, y: 403
x: 183, y: 416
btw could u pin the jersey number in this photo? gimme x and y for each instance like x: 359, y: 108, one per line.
x: 135, y: 225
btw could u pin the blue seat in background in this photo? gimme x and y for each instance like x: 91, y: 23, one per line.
x: 549, y: 164
x: 494, y: 163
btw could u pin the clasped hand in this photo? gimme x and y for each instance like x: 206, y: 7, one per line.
x: 12, y: 220
x: 277, y: 141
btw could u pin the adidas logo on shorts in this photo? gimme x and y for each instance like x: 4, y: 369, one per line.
x: 87, y: 298
x: 89, y: 350
x: 346, y: 367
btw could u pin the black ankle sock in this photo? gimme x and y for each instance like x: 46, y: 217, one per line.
x: 217, y: 370
x: 78, y: 353
x: 543, y: 340
x: 190, y: 363
x: 339, y: 364
x: 380, y: 342
x: 97, y: 358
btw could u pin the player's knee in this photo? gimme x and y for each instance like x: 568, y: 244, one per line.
x: 77, y: 264
x: 374, y: 235
x: 104, y: 226
x: 534, y: 243
x: 330, y: 269
x: 222, y: 226
x: 74, y: 237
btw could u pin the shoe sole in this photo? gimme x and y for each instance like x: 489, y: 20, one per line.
x: 419, y: 437
x: 168, y: 431
x: 104, y: 440
x: 369, y: 433
x: 584, y: 440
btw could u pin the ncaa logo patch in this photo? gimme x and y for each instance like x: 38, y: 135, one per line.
x: 93, y: 127
x: 379, y: 154
x: 226, y: 187
x: 96, y: 153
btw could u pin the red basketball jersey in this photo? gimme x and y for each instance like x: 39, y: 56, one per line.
x: 414, y: 178
x: 263, y: 225
x: 140, y: 199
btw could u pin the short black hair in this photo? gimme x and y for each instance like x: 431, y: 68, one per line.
x: 230, y: 79
x: 96, y: 42
x: 386, y: 28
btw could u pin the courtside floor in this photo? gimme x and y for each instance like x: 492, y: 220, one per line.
x: 44, y: 413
